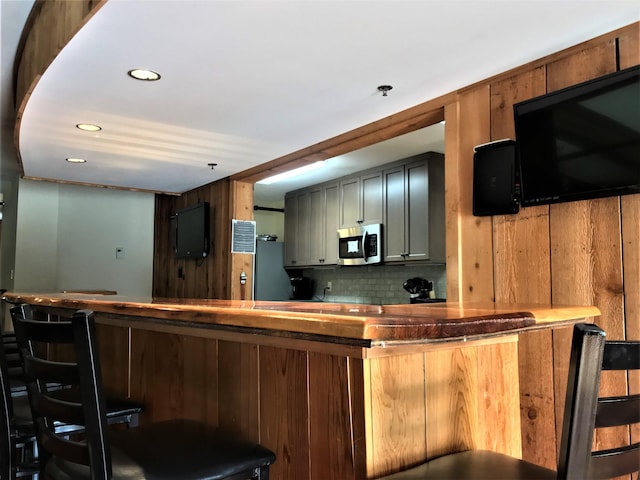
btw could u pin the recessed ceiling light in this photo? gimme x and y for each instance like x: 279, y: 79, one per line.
x: 76, y: 160
x: 143, y: 74
x: 89, y: 127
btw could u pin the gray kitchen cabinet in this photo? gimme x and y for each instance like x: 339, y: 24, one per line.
x: 394, y: 223
x: 323, y: 225
x: 316, y: 226
x: 296, y: 229
x: 414, y: 210
x: 361, y: 199
x: 332, y: 223
x: 407, y: 197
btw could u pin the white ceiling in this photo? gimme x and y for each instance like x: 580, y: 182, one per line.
x: 245, y: 82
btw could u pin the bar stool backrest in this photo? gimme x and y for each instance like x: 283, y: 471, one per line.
x: 585, y: 412
x: 7, y: 452
x: 83, y: 374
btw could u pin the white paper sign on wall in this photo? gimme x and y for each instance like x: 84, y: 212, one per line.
x: 243, y: 236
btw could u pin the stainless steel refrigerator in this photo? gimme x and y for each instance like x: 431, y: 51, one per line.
x: 270, y: 279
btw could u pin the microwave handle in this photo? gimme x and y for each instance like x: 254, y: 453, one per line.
x: 365, y: 251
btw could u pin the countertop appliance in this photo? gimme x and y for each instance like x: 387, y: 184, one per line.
x: 271, y: 281
x: 360, y: 245
x: 301, y: 288
x: 421, y: 291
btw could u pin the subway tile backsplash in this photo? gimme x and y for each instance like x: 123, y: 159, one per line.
x: 375, y: 284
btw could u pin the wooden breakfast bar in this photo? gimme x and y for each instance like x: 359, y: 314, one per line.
x: 337, y: 391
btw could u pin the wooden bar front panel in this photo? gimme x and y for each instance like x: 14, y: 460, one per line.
x: 325, y: 416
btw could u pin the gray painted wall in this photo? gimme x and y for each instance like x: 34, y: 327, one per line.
x: 67, y: 237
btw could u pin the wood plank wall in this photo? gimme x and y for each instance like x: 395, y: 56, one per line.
x: 582, y: 252
x: 325, y: 416
x: 218, y: 274
x: 193, y: 278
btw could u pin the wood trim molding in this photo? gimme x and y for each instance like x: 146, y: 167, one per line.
x: 49, y: 27
x: 410, y: 120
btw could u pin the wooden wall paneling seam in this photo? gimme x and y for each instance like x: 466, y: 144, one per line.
x: 129, y: 360
x: 499, y: 399
x: 451, y: 390
x: 114, y: 359
x: 629, y: 56
x: 360, y: 413
x: 239, y: 388
x: 586, y: 252
x: 398, y: 413
x: 330, y: 419
x: 520, y: 241
x: 156, y: 381
x: 522, y: 274
x: 587, y: 235
x: 284, y: 411
x: 476, y: 251
x: 630, y: 209
x: 371, y: 443
x: 201, y: 396
x: 453, y: 216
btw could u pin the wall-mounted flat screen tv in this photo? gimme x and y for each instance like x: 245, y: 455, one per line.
x: 190, y: 227
x: 580, y: 142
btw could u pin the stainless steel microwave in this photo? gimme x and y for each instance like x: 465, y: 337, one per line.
x: 360, y: 245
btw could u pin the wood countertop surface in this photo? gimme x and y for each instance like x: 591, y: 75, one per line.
x: 372, y: 324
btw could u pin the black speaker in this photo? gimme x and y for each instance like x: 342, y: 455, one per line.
x: 496, y: 188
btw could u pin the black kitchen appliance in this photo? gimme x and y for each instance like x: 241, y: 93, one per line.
x: 421, y: 291
x: 301, y: 288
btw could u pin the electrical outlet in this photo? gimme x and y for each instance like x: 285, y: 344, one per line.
x: 329, y: 286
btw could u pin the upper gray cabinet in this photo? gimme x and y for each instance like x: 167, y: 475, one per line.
x: 361, y: 199
x: 414, y: 210
x: 296, y: 229
x: 407, y: 197
x: 323, y: 224
x: 311, y: 223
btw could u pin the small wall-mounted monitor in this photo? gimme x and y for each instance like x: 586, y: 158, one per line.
x: 191, y: 235
x: 580, y: 142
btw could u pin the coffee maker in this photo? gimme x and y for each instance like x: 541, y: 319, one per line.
x: 301, y: 288
x: 420, y: 290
